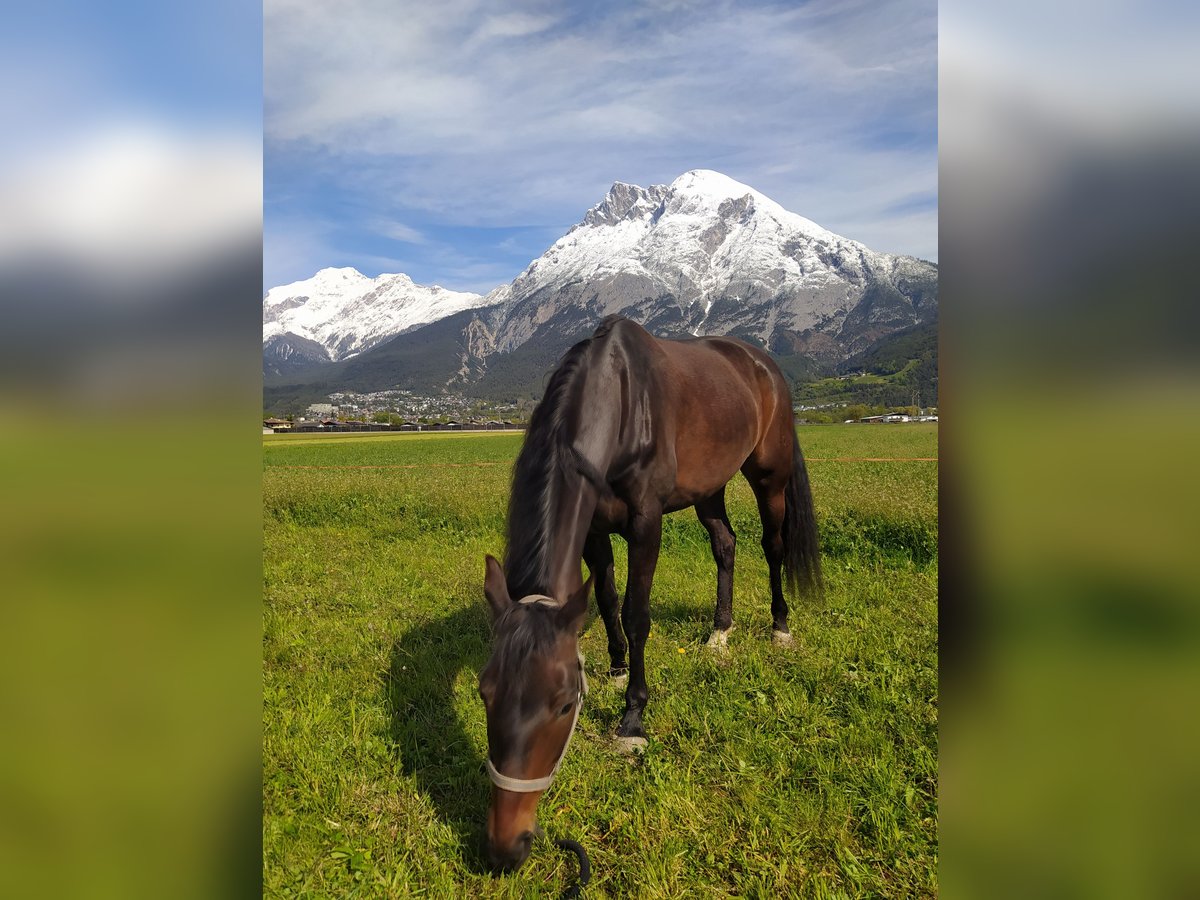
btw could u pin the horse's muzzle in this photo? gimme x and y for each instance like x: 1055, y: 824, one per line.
x: 506, y: 859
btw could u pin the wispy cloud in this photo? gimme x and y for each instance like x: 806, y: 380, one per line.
x: 398, y: 231
x: 458, y: 117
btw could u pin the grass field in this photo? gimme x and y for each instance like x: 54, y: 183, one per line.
x: 802, y: 771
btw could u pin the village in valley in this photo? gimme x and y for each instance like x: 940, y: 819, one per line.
x: 398, y: 410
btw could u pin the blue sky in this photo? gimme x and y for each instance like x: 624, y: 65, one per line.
x: 456, y: 141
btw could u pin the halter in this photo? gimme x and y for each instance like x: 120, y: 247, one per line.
x: 529, y: 785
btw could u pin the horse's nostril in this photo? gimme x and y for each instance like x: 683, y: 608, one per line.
x: 511, y: 858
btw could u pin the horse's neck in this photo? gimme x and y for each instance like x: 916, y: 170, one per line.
x: 592, y: 433
x: 572, y: 519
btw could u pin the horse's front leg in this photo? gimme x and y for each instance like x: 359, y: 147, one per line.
x: 598, y: 554
x: 644, y: 535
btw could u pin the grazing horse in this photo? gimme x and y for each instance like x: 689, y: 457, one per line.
x: 631, y: 427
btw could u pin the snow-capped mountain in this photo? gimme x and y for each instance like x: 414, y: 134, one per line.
x: 703, y: 255
x: 709, y: 255
x: 339, y: 313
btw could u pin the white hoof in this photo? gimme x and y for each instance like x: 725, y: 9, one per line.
x: 781, y: 638
x: 631, y: 745
x: 719, y: 640
x: 619, y: 680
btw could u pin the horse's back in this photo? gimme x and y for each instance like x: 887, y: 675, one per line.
x: 713, y: 402
x: 723, y: 370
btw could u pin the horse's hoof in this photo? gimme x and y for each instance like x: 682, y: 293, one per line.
x: 719, y: 640
x: 620, y: 679
x: 781, y: 638
x: 631, y: 745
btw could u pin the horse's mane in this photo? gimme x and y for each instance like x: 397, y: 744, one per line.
x: 547, y: 460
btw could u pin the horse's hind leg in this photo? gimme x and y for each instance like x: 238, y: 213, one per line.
x: 598, y: 554
x: 772, y: 507
x: 715, y: 520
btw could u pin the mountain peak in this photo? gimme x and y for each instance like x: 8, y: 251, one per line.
x: 624, y: 201
x: 697, y: 189
x: 346, y: 312
x: 342, y: 271
x: 711, y: 184
x: 704, y: 189
x: 708, y: 239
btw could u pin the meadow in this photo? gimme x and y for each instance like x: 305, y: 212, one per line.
x: 807, y: 771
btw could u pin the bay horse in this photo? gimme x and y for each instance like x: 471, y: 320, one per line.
x: 631, y: 427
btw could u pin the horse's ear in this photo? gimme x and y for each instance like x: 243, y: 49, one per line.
x: 495, y: 587
x: 574, y: 611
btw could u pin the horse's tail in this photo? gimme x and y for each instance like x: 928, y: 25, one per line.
x: 801, y: 546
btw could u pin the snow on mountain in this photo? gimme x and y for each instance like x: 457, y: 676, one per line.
x: 709, y: 255
x: 346, y: 312
x: 703, y: 255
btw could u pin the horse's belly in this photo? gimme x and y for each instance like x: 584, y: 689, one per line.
x: 699, y: 478
x: 677, y: 502
x: 708, y: 454
x: 689, y: 494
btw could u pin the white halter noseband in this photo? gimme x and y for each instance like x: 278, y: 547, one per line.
x: 529, y: 785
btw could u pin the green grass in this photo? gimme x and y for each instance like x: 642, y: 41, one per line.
x: 373, y: 449
x: 806, y: 771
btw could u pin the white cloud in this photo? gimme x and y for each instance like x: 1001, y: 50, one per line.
x: 509, y: 26
x: 398, y: 231
x: 481, y: 120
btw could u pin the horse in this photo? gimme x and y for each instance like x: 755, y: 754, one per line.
x: 630, y: 427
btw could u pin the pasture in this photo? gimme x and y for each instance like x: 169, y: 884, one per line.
x: 809, y: 770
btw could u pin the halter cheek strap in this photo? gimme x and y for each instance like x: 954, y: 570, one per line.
x: 529, y: 785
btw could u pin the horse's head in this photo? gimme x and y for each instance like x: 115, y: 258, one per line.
x: 532, y: 687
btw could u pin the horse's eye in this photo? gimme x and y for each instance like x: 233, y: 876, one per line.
x: 566, y: 709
